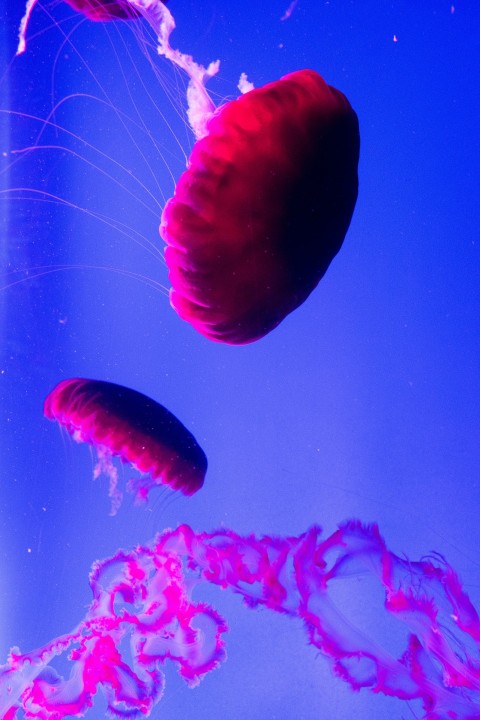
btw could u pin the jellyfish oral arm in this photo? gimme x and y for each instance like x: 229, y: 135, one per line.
x: 200, y: 104
x: 143, y: 615
x: 21, y: 671
x: 22, y: 31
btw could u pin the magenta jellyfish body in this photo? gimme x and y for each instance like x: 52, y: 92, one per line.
x: 125, y: 423
x: 263, y: 207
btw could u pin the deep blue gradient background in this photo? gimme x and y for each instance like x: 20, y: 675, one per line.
x: 363, y: 403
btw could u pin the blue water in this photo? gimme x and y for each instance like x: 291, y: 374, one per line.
x: 365, y: 402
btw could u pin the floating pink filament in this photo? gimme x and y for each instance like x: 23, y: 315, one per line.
x: 122, y: 422
x: 143, y: 614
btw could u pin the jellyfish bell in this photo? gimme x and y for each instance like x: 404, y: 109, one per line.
x: 96, y: 10
x: 262, y: 208
x: 101, y: 10
x: 122, y: 422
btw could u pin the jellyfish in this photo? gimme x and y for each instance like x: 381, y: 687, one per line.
x: 119, y: 421
x: 143, y: 615
x: 265, y: 202
x: 263, y: 207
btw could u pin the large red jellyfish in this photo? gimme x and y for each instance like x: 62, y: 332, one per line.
x: 263, y: 207
x: 143, y: 616
x: 123, y: 422
x: 265, y: 202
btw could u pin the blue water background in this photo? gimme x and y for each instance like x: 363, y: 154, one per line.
x: 364, y: 403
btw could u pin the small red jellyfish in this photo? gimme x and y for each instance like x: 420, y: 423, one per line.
x: 125, y: 423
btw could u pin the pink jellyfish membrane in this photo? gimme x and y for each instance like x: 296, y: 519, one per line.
x: 143, y: 615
